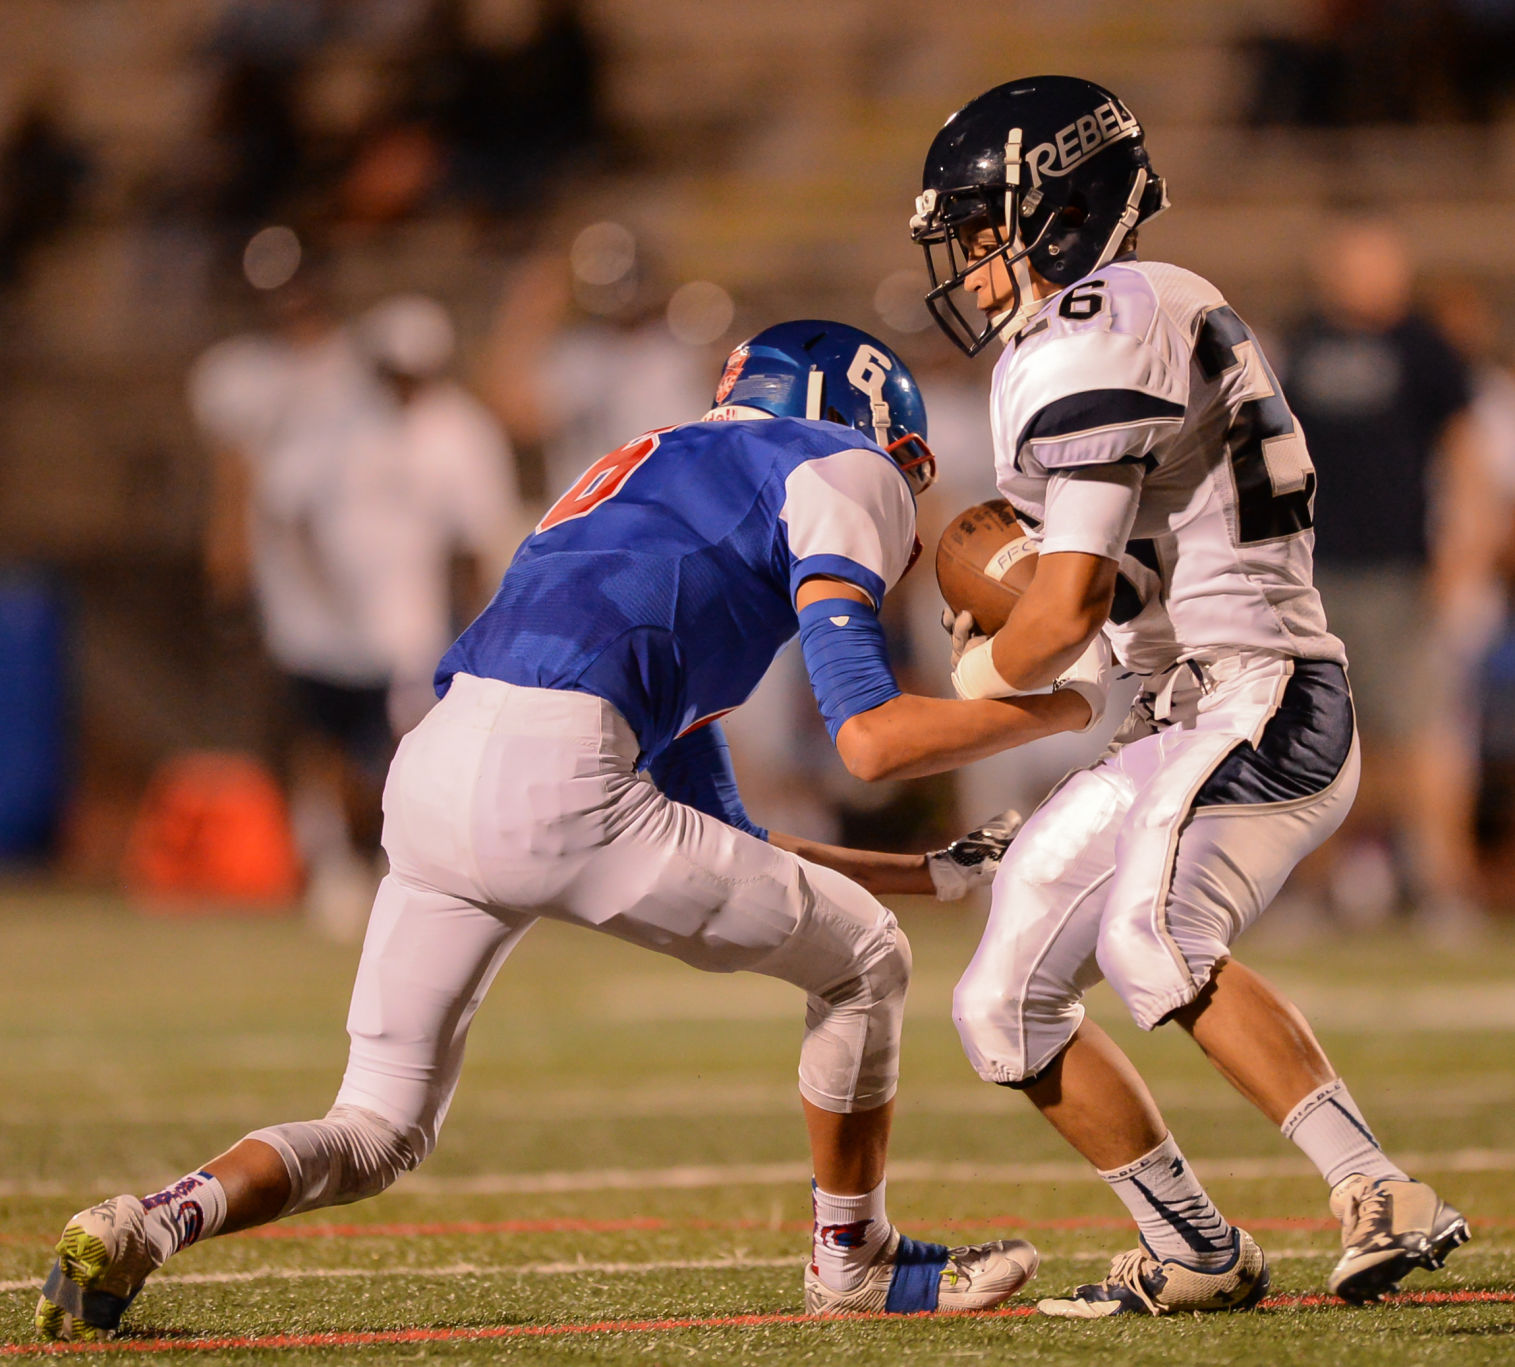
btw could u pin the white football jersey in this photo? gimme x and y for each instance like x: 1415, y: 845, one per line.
x: 1143, y: 363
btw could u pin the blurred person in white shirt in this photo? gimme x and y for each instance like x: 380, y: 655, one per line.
x: 348, y: 470
x: 462, y: 515
x: 1474, y: 520
x: 284, y: 412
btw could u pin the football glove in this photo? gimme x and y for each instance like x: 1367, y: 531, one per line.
x: 962, y: 630
x: 972, y: 860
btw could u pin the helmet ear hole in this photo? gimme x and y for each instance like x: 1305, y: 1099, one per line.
x: 1073, y: 214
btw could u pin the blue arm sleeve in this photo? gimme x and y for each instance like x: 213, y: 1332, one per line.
x: 845, y: 653
x: 695, y: 769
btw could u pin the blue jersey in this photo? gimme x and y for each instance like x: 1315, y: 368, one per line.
x: 664, y: 580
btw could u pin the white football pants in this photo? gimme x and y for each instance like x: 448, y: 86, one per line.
x: 506, y: 804
x: 1128, y: 872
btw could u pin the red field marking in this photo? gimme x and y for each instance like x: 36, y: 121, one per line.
x: 567, y: 1225
x: 578, y: 1226
x: 510, y: 1331
x: 445, y: 1227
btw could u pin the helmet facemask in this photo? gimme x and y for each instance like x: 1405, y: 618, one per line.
x: 949, y: 225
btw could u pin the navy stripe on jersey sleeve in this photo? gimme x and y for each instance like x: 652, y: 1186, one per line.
x: 1095, y: 410
x: 836, y: 567
x: 695, y: 769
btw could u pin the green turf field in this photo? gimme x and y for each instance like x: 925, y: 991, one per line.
x: 623, y: 1178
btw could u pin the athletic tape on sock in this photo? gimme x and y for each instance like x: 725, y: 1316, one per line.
x: 917, y: 1280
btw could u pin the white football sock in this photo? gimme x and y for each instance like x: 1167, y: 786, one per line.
x: 193, y: 1208
x: 847, y: 1235
x: 1330, y: 1129
x: 1176, y: 1218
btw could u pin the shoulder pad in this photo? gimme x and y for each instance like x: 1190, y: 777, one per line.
x: 1086, y: 392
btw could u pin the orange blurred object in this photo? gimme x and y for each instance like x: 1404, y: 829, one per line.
x: 212, y: 835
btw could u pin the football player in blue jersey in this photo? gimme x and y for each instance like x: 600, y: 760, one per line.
x: 574, y: 769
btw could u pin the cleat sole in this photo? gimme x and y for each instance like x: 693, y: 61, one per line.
x: 1382, y: 1279
x: 83, y: 1259
x: 1454, y: 1236
x: 1255, y: 1296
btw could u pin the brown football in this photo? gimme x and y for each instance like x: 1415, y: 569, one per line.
x: 984, y: 562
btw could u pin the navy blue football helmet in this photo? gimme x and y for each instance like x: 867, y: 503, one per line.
x: 1055, y: 166
x: 815, y: 369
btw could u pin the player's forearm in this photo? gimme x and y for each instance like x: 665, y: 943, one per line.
x: 880, y: 873
x: 911, y: 736
x: 1067, y: 601
x: 1033, y: 649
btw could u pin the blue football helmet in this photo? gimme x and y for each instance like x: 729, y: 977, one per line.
x: 814, y: 369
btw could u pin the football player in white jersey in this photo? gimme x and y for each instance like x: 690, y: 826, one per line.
x: 1140, y: 434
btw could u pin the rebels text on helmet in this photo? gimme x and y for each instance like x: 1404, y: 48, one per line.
x: 1081, y: 139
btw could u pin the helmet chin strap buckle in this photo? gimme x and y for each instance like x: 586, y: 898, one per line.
x: 925, y: 212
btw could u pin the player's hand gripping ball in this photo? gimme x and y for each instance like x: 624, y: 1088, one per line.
x: 984, y: 563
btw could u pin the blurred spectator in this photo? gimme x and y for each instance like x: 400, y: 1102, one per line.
x: 255, y: 142
x: 1383, y: 401
x: 1483, y: 61
x: 42, y: 170
x: 462, y: 517
x: 581, y: 353
x: 485, y: 122
x: 1476, y: 517
x: 1349, y: 62
x: 260, y: 49
x: 289, y: 413
x: 357, y: 487
x: 269, y: 33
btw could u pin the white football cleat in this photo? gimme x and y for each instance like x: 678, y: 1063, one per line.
x: 103, y: 1259
x: 909, y: 1277
x: 1141, y: 1284
x: 1388, y: 1229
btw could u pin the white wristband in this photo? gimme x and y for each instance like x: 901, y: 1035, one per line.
x: 976, y: 676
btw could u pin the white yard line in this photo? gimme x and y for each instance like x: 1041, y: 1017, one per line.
x: 1392, y: 1096
x: 695, y: 1100
x: 620, y: 1269
x: 781, y: 1174
x: 1436, y: 1007
x: 778, y: 1174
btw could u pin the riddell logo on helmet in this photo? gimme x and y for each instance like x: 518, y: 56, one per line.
x: 1081, y: 139
x: 733, y: 372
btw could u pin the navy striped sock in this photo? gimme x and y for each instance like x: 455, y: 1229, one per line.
x: 1330, y: 1129
x: 1176, y: 1217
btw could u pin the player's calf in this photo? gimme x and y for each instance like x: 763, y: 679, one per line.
x: 348, y: 1155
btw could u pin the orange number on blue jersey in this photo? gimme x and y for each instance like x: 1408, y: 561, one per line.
x: 601, y: 480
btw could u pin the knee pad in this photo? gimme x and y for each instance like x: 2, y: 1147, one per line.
x: 850, y: 1060
x: 349, y: 1155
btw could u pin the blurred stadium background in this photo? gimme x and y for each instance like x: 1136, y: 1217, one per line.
x: 597, y: 200
x: 604, y: 198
